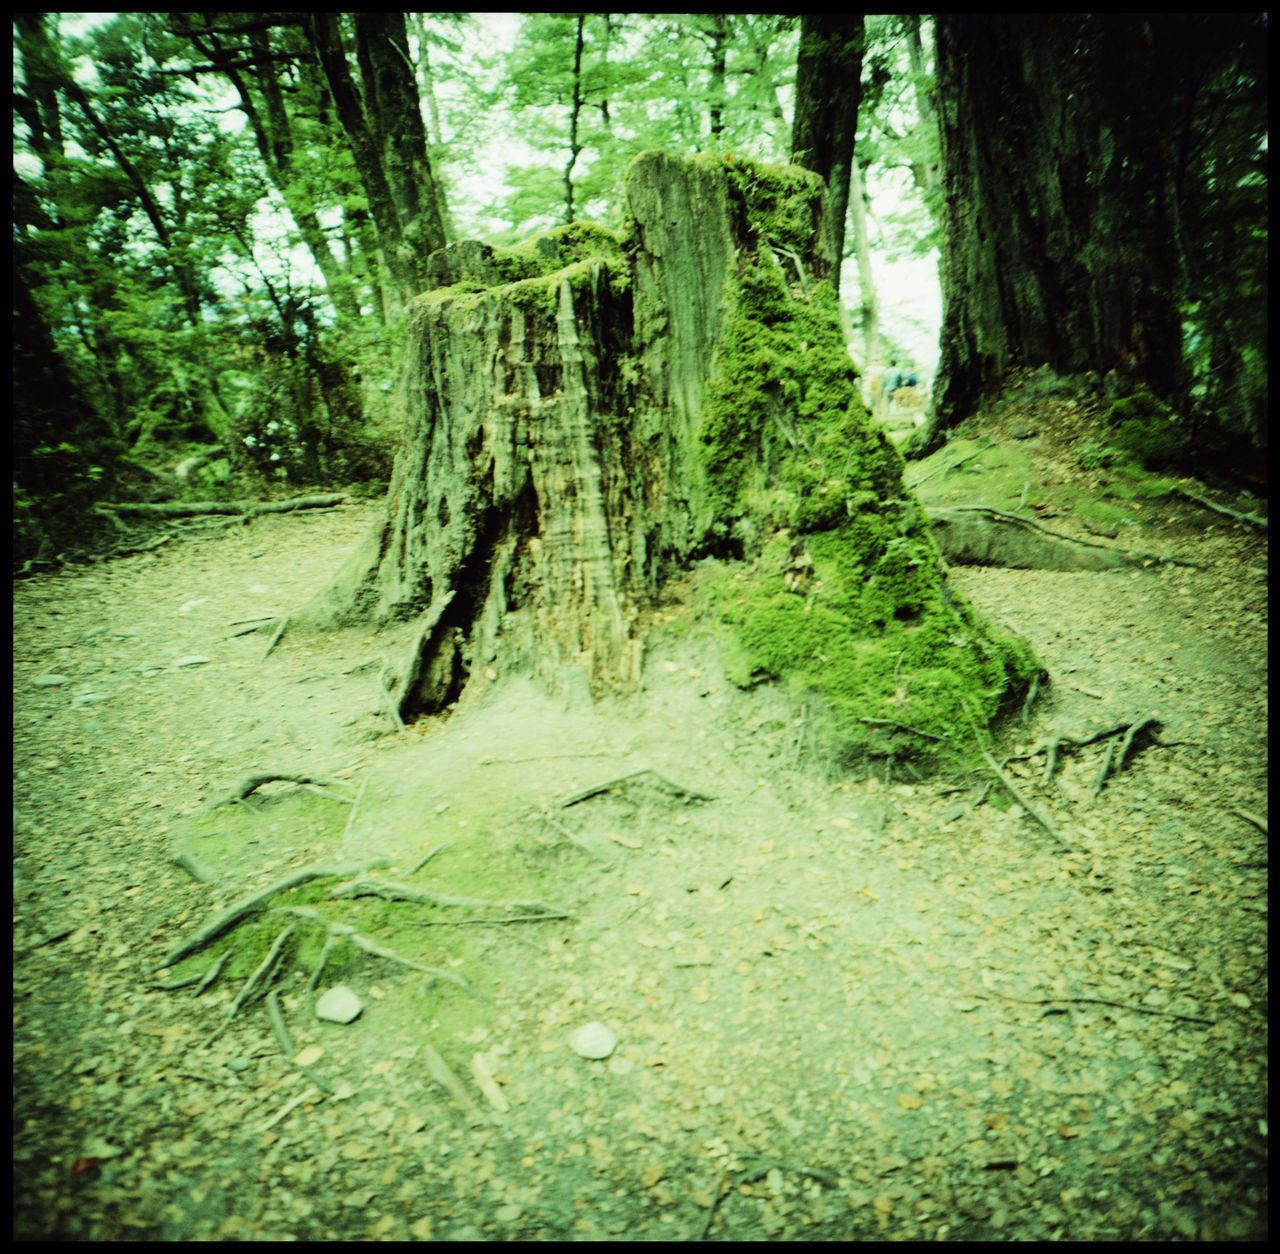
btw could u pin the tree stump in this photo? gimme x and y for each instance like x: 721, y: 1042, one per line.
x: 587, y: 414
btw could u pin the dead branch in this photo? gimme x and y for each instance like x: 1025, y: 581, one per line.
x: 254, y: 902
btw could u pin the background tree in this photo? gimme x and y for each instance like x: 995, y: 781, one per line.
x: 1067, y: 148
x: 385, y: 131
x: 828, y: 88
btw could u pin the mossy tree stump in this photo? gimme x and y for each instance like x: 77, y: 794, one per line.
x: 588, y: 413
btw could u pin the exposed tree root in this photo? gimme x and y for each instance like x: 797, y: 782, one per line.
x: 444, y: 1076
x: 255, y: 902
x: 389, y: 890
x: 256, y: 985
x: 275, y: 639
x: 1012, y: 789
x: 1112, y: 764
x: 249, y: 783
x: 280, y: 1030
x: 372, y: 947
x: 1251, y: 520
x: 676, y: 790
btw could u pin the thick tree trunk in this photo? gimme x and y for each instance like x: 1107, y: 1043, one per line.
x: 584, y: 415
x: 1058, y: 242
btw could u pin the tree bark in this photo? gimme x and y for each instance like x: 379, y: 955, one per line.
x: 387, y: 142
x: 828, y: 90
x: 1058, y: 241
x: 584, y: 415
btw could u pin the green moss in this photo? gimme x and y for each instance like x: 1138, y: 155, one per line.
x: 530, y: 274
x: 847, y: 600
x: 1145, y: 431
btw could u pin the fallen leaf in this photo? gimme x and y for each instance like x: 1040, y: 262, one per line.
x: 305, y: 1057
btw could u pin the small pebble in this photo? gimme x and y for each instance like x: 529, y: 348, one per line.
x: 339, y: 1005
x: 592, y: 1040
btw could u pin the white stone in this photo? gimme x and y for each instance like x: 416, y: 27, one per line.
x: 339, y: 1005
x: 592, y: 1040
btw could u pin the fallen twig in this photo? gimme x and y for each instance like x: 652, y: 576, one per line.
x: 291, y: 1104
x: 1098, y: 1001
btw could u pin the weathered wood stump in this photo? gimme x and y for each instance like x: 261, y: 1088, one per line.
x: 588, y: 413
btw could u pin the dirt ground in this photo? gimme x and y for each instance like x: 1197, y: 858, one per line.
x: 844, y: 1008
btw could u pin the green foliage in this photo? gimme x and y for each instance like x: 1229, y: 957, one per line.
x: 645, y: 82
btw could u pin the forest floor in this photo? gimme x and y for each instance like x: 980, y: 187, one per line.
x: 844, y: 1008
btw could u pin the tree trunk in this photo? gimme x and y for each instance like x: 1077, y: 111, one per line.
x: 869, y: 309
x: 828, y: 91
x: 1058, y: 242
x: 392, y: 163
x: 585, y: 415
